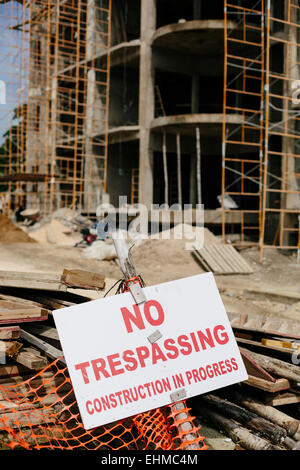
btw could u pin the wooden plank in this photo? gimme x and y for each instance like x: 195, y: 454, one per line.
x: 12, y: 298
x: 43, y: 330
x: 237, y: 319
x: 9, y: 348
x: 209, y: 261
x: 227, y: 262
x: 8, y: 304
x: 41, y: 378
x: 280, y: 343
x: 42, y: 384
x: 278, y: 385
x: 53, y: 304
x: 257, y: 345
x: 10, y: 370
x: 22, y: 313
x: 201, y: 260
x: 32, y: 417
x: 214, y: 264
x: 51, y: 299
x: 9, y: 332
x: 43, y: 300
x: 233, y: 429
x: 262, y: 332
x: 31, y: 358
x: 17, y: 406
x: 283, y: 399
x: 245, y: 417
x: 232, y: 256
x: 229, y: 257
x: 220, y: 254
x: 277, y: 367
x: 276, y: 292
x: 83, y: 279
x: 54, y: 282
x: 255, y: 369
x: 209, y: 252
x: 270, y: 413
x: 238, y: 259
x: 50, y: 351
x: 40, y: 281
x: 22, y: 320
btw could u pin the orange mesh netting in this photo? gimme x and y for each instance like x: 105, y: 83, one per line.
x: 42, y: 413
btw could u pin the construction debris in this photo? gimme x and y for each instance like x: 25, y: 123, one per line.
x: 100, y: 250
x: 247, y: 413
x: 54, y: 233
x: 75, y: 278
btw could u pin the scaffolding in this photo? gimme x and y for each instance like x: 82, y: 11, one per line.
x: 134, y: 186
x: 281, y: 189
x: 13, y: 115
x: 64, y: 75
x: 242, y: 133
x: 55, y: 65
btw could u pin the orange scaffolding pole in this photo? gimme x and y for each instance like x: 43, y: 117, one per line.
x: 242, y: 142
x: 281, y: 202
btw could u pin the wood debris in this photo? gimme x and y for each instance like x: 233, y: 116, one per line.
x: 29, y: 341
x: 248, y: 413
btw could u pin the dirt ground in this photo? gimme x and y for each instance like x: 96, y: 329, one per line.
x: 165, y: 260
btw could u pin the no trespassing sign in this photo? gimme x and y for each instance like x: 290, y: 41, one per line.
x: 124, y: 358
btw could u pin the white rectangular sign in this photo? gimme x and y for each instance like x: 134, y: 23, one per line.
x: 116, y: 369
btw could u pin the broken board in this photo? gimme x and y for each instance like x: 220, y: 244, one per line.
x: 266, y: 385
x: 284, y: 398
x: 31, y: 358
x: 9, y: 332
x: 254, y: 369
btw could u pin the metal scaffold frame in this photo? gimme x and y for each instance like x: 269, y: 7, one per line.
x: 13, y: 116
x: 281, y: 189
x: 62, y: 134
x: 242, y: 142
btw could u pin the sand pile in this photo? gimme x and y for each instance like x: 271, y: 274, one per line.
x: 171, y: 255
x: 10, y: 233
x: 55, y: 233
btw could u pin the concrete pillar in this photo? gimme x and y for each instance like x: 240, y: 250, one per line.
x: 289, y: 201
x: 193, y: 171
x: 54, y: 187
x: 32, y: 136
x: 197, y: 9
x: 94, y: 38
x: 146, y: 101
x: 95, y: 111
x: 195, y: 93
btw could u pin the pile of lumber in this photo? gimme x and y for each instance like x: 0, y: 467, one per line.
x: 254, y: 413
x: 248, y: 422
x: 272, y: 359
x: 26, y: 303
x: 28, y: 338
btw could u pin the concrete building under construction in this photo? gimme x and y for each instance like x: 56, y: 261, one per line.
x: 161, y: 101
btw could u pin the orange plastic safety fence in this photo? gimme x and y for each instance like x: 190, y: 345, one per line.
x: 42, y: 413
